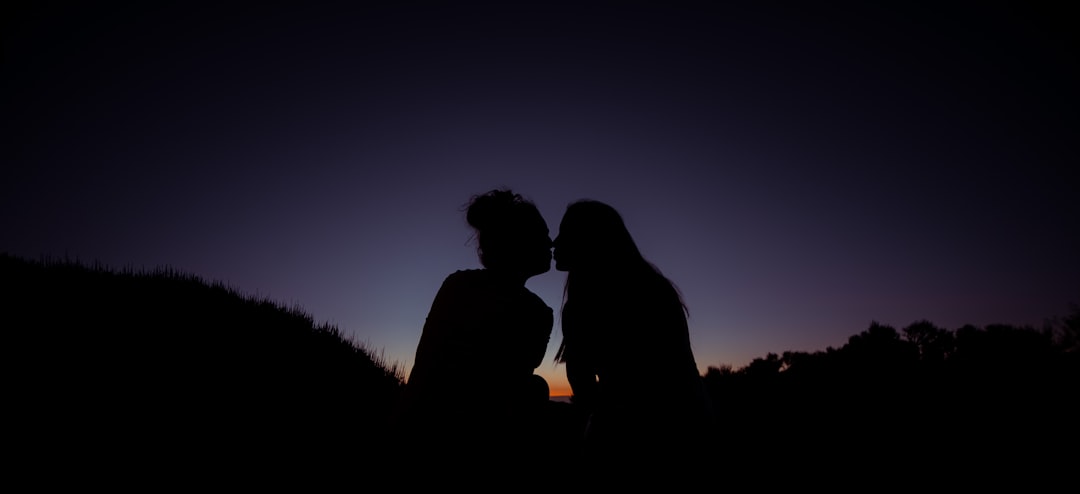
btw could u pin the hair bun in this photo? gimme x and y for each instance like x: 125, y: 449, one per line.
x: 492, y: 209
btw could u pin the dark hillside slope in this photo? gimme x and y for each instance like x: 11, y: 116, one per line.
x: 164, y: 370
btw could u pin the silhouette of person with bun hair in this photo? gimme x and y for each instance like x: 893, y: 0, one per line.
x: 472, y: 390
x: 626, y: 348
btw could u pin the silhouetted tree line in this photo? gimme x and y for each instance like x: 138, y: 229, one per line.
x: 924, y: 397
x: 138, y: 370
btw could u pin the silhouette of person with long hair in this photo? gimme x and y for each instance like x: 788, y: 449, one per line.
x: 626, y: 347
x: 472, y: 390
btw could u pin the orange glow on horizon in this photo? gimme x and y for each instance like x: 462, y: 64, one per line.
x: 559, y: 391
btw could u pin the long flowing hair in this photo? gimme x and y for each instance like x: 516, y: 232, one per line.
x: 609, y: 256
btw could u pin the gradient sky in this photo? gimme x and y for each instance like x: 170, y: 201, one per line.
x: 798, y: 171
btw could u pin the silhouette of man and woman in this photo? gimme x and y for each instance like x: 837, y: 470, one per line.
x: 626, y: 349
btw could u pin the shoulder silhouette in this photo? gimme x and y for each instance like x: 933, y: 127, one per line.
x: 626, y: 344
x: 472, y: 385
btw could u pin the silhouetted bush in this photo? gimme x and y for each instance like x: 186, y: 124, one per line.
x: 997, y: 398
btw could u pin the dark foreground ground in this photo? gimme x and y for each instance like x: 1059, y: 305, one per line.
x: 155, y: 380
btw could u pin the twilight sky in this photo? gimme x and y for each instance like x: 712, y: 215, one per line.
x: 798, y: 170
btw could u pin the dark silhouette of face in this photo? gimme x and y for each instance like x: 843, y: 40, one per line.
x: 532, y: 245
x: 592, y: 236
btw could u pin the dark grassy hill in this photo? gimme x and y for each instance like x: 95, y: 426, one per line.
x: 163, y: 370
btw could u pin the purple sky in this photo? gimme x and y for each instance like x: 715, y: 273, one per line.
x: 798, y: 171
